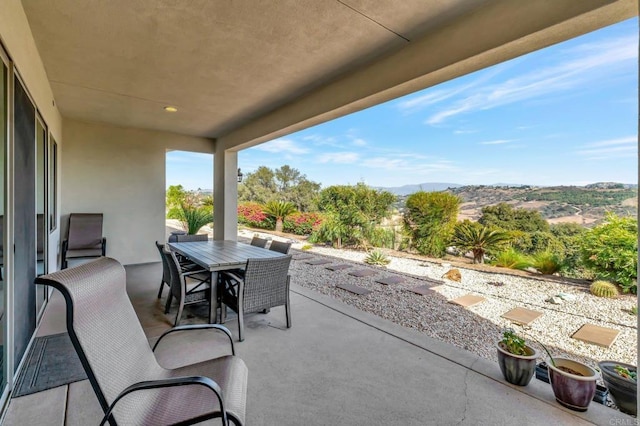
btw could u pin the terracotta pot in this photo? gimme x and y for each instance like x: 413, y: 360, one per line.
x: 624, y: 392
x: 517, y: 369
x: 573, y: 391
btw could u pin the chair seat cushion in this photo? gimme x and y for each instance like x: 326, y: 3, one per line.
x: 177, y: 404
x: 71, y: 254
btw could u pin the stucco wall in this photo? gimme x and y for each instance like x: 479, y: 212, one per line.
x: 120, y: 172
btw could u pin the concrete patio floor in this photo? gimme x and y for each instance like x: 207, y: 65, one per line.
x: 336, y: 365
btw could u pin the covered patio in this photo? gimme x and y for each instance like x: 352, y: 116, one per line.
x: 336, y: 365
x: 95, y: 93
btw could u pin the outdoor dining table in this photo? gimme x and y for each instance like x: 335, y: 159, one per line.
x: 220, y: 255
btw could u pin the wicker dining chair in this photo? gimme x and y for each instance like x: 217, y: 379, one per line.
x: 187, y: 238
x: 265, y: 285
x: 280, y: 247
x: 130, y: 384
x: 259, y: 242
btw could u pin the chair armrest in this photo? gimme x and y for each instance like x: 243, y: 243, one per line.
x: 167, y: 383
x: 233, y: 276
x: 216, y: 327
x: 193, y: 271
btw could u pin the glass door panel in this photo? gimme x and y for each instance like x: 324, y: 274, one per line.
x: 41, y: 222
x: 4, y: 103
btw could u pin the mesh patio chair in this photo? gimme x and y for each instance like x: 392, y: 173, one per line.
x: 84, y: 239
x: 130, y: 384
x: 186, y: 286
x: 185, y: 266
x: 259, y: 242
x: 186, y: 238
x: 265, y: 285
x: 280, y: 247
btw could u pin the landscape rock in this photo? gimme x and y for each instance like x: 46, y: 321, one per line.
x: 453, y: 275
x: 555, y: 300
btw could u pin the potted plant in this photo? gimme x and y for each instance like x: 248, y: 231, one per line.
x: 622, y: 381
x: 573, y: 383
x: 517, y: 360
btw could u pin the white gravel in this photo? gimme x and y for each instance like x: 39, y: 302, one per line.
x: 478, y: 327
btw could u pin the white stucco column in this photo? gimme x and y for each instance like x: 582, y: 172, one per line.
x: 225, y: 194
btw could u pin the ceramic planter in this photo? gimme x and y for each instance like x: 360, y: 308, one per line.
x: 573, y: 391
x: 517, y: 369
x: 624, y: 392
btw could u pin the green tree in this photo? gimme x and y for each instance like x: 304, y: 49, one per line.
x: 282, y: 184
x: 478, y: 239
x: 279, y: 210
x: 506, y: 217
x: 611, y: 251
x: 176, y: 195
x: 353, y: 211
x: 429, y: 219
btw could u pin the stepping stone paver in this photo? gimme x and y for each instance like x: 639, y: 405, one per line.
x: 468, y: 300
x: 390, y: 280
x: 601, y: 336
x: 422, y: 290
x: 339, y: 267
x: 522, y: 315
x: 302, y: 256
x: 363, y: 273
x: 360, y: 291
x: 318, y: 262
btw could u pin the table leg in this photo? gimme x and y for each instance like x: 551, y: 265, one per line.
x: 213, y: 303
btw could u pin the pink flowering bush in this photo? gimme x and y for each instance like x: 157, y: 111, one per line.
x: 253, y: 215
x: 302, y: 223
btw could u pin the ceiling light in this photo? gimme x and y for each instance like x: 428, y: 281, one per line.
x: 170, y: 109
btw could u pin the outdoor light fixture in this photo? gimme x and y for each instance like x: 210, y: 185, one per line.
x: 239, y: 175
x: 170, y: 109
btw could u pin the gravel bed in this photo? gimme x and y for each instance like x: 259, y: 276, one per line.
x: 478, y: 327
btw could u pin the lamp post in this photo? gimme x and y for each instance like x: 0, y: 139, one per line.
x: 240, y: 175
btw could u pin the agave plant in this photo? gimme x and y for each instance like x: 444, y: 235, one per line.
x: 546, y: 263
x: 194, y: 218
x: 377, y: 258
x: 478, y: 239
x: 512, y: 259
x: 279, y: 210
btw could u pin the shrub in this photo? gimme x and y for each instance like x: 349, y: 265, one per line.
x: 306, y: 247
x: 194, y: 218
x: 512, y: 259
x: 611, y: 251
x: 471, y: 236
x: 429, y: 220
x: 546, y: 262
x: 378, y: 236
x: 377, y: 258
x: 302, y: 223
x: 279, y: 210
x: 603, y: 289
x: 252, y: 214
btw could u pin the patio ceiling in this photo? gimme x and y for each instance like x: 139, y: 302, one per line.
x: 227, y: 65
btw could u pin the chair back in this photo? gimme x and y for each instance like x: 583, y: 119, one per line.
x: 280, y: 247
x: 189, y: 238
x: 85, y: 231
x: 105, y: 332
x: 166, y: 272
x: 176, y: 281
x: 259, y: 242
x: 266, y: 283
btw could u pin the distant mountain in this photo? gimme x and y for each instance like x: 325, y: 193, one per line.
x: 427, y: 186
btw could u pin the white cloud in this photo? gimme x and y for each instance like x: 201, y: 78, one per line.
x: 590, y: 62
x: 280, y: 146
x: 611, y: 148
x: 610, y: 142
x: 339, y: 157
x: 464, y: 132
x: 497, y: 142
x: 359, y: 142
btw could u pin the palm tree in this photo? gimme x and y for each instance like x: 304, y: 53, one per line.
x: 478, y: 239
x: 279, y: 210
x: 194, y: 218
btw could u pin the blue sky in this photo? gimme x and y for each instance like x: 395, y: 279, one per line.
x: 564, y: 115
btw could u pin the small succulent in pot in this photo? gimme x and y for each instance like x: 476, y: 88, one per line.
x: 517, y: 360
x: 622, y: 381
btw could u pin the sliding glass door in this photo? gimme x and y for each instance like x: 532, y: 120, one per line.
x: 4, y: 137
